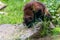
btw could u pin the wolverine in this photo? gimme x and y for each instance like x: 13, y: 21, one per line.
x: 35, y: 11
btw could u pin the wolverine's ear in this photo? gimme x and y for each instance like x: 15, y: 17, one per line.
x: 33, y: 7
x: 48, y: 15
x: 46, y: 11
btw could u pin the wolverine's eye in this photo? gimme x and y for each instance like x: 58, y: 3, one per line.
x: 39, y: 10
x: 30, y: 18
x: 30, y: 8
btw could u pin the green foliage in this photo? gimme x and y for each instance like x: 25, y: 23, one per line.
x: 14, y: 14
x: 54, y: 8
x: 45, y: 30
x: 56, y: 31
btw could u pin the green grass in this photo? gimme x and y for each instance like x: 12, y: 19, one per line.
x: 14, y: 12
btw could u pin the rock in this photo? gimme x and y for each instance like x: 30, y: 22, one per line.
x: 21, y: 32
x: 44, y: 38
x: 3, y: 13
x: 54, y: 37
x: 2, y: 5
x: 51, y: 25
x: 15, y: 32
x: 8, y: 32
x: 31, y: 32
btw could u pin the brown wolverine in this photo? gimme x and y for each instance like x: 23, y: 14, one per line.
x: 35, y: 11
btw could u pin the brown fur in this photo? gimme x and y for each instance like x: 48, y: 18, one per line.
x: 36, y: 7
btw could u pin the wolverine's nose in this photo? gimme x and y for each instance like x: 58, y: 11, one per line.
x: 39, y: 10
